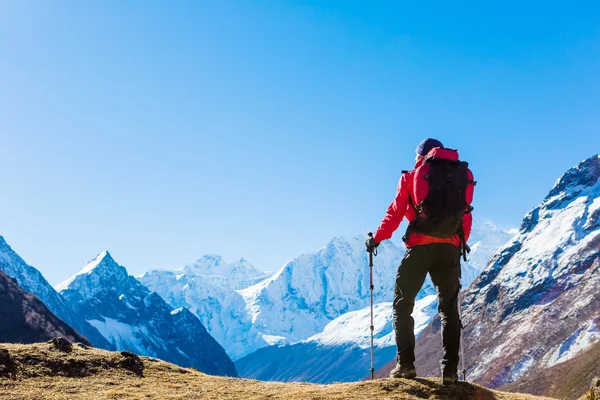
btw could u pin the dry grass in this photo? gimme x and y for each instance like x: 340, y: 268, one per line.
x: 40, y: 371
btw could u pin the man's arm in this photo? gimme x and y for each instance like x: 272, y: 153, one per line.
x: 395, y: 212
x: 467, y: 221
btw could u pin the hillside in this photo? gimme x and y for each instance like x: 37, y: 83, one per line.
x: 567, y: 380
x: 41, y: 371
x: 25, y: 319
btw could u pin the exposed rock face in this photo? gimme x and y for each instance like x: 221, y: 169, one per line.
x: 537, y: 303
x: 567, y: 380
x: 25, y: 319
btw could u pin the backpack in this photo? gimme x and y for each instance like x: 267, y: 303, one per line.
x: 440, y: 197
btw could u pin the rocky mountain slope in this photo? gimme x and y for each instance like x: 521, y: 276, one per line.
x: 133, y: 318
x: 25, y: 319
x: 537, y: 303
x: 567, y: 380
x: 41, y: 371
x: 32, y: 281
x: 208, y: 288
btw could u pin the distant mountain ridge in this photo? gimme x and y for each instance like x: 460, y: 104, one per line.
x: 245, y: 310
x: 133, y: 318
x: 347, y: 337
x: 208, y: 288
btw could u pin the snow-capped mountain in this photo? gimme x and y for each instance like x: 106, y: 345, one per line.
x: 314, y: 289
x: 341, y: 353
x: 537, y: 303
x: 133, y: 318
x: 347, y: 337
x: 208, y: 289
x: 32, y: 281
x: 298, y: 301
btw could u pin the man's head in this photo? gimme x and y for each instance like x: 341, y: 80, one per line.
x: 425, y: 147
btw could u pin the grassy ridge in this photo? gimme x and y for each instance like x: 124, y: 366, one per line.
x: 41, y: 371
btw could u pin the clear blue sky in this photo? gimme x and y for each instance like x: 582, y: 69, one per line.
x: 164, y: 130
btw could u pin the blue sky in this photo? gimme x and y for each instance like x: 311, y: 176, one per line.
x: 165, y: 130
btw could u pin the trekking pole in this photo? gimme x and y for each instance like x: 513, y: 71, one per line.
x: 371, y: 287
x: 462, y: 346
x: 465, y: 250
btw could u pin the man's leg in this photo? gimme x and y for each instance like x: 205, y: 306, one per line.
x: 409, y: 280
x: 445, y: 274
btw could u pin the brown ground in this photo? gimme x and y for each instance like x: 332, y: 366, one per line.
x: 40, y: 371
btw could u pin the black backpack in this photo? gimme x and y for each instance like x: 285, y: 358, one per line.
x: 441, y: 213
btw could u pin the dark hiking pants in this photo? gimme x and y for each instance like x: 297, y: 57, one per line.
x: 442, y: 262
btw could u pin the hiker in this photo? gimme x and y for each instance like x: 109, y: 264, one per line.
x: 435, y: 198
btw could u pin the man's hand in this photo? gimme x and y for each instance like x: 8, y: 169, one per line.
x: 371, y: 243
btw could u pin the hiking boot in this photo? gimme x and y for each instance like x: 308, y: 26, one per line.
x: 449, y: 378
x: 406, y: 371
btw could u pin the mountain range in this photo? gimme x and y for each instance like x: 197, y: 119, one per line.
x: 208, y: 288
x: 310, y: 320
x: 347, y: 337
x: 241, y: 307
x: 133, y: 318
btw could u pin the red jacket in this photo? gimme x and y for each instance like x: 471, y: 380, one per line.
x: 401, y: 208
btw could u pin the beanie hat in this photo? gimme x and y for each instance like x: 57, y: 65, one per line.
x: 426, y: 145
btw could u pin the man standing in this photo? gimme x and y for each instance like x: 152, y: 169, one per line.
x: 435, y: 198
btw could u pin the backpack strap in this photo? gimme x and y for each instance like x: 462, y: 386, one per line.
x: 410, y: 201
x: 416, y: 210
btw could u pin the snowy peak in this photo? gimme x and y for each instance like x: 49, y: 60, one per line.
x: 214, y: 264
x: 133, y: 318
x: 213, y: 270
x: 103, y: 268
x: 103, y: 263
x: 102, y: 274
x: 314, y: 289
x: 575, y: 194
x: 32, y: 281
x: 584, y: 175
x: 207, y: 264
